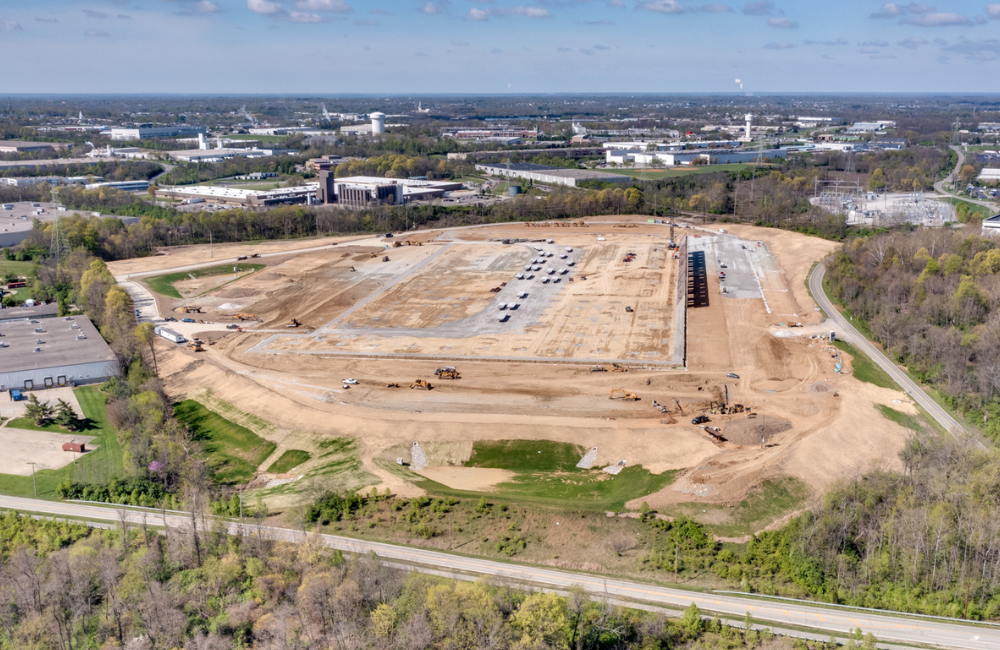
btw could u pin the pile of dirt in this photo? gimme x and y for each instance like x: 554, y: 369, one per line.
x: 237, y: 292
x: 748, y: 431
x: 270, y: 277
x: 819, y: 387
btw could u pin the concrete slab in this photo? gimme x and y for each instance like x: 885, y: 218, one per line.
x: 40, y: 447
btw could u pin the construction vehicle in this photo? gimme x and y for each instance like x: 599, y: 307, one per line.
x: 421, y: 384
x: 621, y: 393
x: 598, y: 369
x: 188, y: 309
x: 617, y: 367
x: 244, y: 316
x: 628, y: 309
x: 700, y: 419
x: 293, y: 323
x: 392, y: 385
x: 385, y: 258
x: 241, y: 258
x: 195, y: 346
x: 397, y: 244
x: 255, y: 255
x: 447, y: 372
x: 715, y: 434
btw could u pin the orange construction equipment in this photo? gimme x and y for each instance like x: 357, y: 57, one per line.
x: 421, y: 384
x: 621, y: 393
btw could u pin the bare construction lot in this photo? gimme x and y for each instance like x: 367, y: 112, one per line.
x: 529, y: 375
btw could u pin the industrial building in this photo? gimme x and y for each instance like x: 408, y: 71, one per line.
x: 246, y: 198
x: 991, y: 226
x: 218, y: 155
x: 40, y: 350
x: 550, y: 175
x: 147, y: 131
x: 989, y: 175
x: 21, y: 146
x: 871, y: 127
x: 51, y: 180
x: 687, y: 156
x: 124, y: 186
x: 362, y: 191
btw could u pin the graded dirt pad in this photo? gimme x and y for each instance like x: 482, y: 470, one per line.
x: 373, y: 323
x: 745, y: 431
x: 467, y: 478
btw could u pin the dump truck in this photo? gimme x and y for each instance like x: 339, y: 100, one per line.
x: 421, y: 384
x: 195, y: 346
x: 621, y: 393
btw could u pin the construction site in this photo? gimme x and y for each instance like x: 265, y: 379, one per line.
x: 673, y: 347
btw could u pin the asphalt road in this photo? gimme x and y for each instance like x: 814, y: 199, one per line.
x: 886, y: 626
x: 847, y: 332
x: 953, y: 176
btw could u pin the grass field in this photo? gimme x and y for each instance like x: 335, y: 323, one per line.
x: 234, y: 452
x: 98, y: 466
x: 659, y: 174
x: 339, y: 468
x: 87, y: 425
x: 775, y: 499
x: 865, y: 369
x: 10, y: 266
x: 546, y: 475
x: 164, y: 284
x: 974, y: 208
x: 904, y: 420
x: 289, y: 461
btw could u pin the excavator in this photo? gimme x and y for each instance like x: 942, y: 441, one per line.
x: 617, y: 367
x: 188, y: 309
x: 447, y: 372
x: 421, y: 384
x: 293, y: 323
x: 243, y: 316
x: 621, y: 393
x: 392, y: 385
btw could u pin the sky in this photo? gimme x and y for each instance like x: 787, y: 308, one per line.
x: 315, y: 47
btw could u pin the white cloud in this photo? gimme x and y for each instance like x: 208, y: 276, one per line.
x: 759, y: 8
x: 912, y: 42
x: 977, y: 50
x: 663, y: 6
x: 716, y: 9
x: 264, y: 7
x: 993, y: 11
x: 303, y: 17
x: 935, y: 19
x: 888, y: 10
x: 10, y: 26
x: 616, y: 4
x: 779, y: 46
x: 329, y: 6
x: 498, y: 12
x: 781, y: 23
x: 434, y: 8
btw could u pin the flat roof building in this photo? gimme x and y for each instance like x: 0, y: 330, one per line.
x: 991, y: 226
x: 147, y: 131
x: 550, y: 175
x: 235, y: 196
x: 22, y: 146
x: 38, y: 350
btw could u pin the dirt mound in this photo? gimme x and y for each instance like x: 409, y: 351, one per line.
x: 748, y: 432
x: 819, y: 387
x: 270, y: 277
x: 237, y: 293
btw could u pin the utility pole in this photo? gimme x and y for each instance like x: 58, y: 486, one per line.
x: 34, y: 484
x: 211, y: 250
x: 241, y: 503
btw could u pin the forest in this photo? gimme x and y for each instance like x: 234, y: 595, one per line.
x: 931, y: 298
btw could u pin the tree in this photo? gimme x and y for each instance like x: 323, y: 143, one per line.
x: 38, y: 412
x: 146, y: 334
x: 543, y: 621
x: 876, y: 182
x: 966, y: 174
x: 65, y: 416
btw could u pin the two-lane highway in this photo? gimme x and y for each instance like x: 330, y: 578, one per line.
x: 886, y: 626
x: 847, y: 332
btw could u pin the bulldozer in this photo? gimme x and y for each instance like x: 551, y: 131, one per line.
x: 621, y: 393
x: 421, y: 384
x: 392, y: 385
x: 244, y: 316
x: 397, y: 244
x: 447, y: 372
x: 188, y: 309
x: 293, y: 323
x: 617, y: 367
x: 195, y: 346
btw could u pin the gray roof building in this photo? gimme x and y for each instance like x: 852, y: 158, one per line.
x: 39, y: 352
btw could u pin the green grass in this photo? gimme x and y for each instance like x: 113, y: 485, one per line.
x: 87, y: 425
x: 974, y: 208
x: 10, y: 266
x: 526, y: 455
x: 904, y: 420
x: 549, y: 478
x: 164, y: 284
x: 338, y: 468
x: 865, y: 369
x: 773, y: 500
x: 289, y: 461
x: 98, y: 466
x: 234, y: 452
x: 659, y: 174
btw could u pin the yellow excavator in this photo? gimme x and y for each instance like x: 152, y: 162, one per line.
x: 616, y: 367
x: 243, y: 316
x: 421, y: 384
x: 188, y: 309
x: 621, y: 393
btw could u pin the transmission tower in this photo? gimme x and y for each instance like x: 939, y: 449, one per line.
x: 59, y: 248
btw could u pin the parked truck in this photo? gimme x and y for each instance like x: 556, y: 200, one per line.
x: 170, y: 335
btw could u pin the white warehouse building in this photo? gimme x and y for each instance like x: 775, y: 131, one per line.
x: 147, y: 131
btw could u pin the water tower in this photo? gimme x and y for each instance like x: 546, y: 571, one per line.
x: 378, y: 123
x: 749, y: 119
